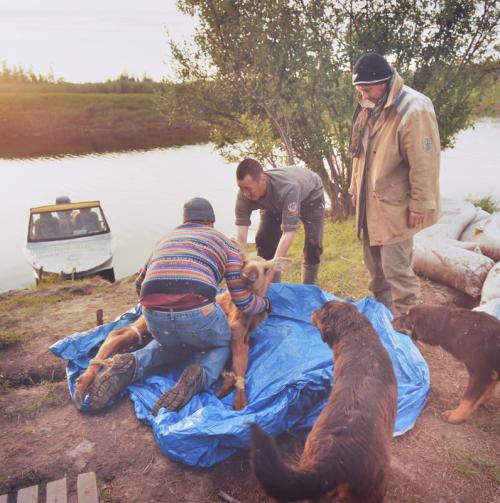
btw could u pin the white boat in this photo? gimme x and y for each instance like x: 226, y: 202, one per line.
x: 72, y: 240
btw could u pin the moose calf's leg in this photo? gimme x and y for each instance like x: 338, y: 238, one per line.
x: 240, y: 348
x: 228, y: 381
x: 116, y: 341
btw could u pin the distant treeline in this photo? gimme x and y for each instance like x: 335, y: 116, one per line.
x: 19, y: 79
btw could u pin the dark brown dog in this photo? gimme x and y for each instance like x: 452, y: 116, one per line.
x: 347, y: 452
x: 472, y: 337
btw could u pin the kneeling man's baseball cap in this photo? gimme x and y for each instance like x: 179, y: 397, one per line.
x: 198, y: 209
x: 371, y: 68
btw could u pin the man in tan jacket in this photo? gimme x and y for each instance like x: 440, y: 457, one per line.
x: 395, y: 150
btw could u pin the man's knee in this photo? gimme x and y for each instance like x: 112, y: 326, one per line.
x: 313, y: 248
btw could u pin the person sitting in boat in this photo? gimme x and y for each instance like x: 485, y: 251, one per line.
x: 46, y: 227
x: 66, y: 225
x: 65, y: 217
x: 88, y: 220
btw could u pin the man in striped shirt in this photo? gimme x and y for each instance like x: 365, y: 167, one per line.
x: 177, y: 288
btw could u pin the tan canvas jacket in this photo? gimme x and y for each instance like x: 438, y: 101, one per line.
x: 401, y: 164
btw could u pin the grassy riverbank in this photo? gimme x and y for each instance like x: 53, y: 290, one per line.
x: 43, y: 123
x: 342, y: 271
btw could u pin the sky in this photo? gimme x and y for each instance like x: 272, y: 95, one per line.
x: 92, y: 40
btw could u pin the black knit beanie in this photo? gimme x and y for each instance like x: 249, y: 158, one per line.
x: 371, y: 68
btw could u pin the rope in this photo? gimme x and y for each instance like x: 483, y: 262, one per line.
x: 101, y: 363
x: 139, y: 335
x: 240, y: 382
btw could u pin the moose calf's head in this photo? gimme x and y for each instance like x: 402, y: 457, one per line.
x: 255, y: 270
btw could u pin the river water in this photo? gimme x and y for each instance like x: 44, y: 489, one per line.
x: 142, y: 193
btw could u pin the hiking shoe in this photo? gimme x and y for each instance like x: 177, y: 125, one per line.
x: 111, y: 382
x: 189, y: 384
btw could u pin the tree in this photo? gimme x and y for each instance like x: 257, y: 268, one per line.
x: 273, y: 77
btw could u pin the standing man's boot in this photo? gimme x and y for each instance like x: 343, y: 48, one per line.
x: 309, y: 273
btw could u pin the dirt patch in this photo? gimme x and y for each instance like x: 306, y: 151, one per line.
x: 44, y: 438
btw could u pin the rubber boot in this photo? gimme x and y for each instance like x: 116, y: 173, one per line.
x: 309, y: 273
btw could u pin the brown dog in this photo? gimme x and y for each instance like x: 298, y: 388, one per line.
x: 256, y: 273
x: 472, y: 337
x: 347, y: 452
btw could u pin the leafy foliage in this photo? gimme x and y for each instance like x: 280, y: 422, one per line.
x: 487, y: 203
x: 273, y: 77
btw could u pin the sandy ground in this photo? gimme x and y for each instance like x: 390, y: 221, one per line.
x: 43, y: 437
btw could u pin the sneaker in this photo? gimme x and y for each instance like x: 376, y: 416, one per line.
x: 189, y: 384
x: 111, y: 382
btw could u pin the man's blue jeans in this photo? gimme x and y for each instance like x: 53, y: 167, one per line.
x: 202, y: 334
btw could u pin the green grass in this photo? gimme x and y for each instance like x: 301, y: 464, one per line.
x: 471, y: 465
x: 8, y: 338
x: 342, y: 271
x: 489, y: 105
x: 48, y: 395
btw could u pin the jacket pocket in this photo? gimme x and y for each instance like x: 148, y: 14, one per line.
x: 395, y: 192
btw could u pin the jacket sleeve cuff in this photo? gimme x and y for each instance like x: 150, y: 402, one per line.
x: 244, y: 222
x: 422, y: 206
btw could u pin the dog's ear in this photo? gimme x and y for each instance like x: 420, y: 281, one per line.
x: 325, y: 320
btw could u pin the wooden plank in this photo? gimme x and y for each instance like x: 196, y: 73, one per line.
x: 28, y: 495
x: 3, y: 498
x: 57, y: 492
x: 86, y: 485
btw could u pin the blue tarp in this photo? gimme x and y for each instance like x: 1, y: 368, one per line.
x: 288, y: 379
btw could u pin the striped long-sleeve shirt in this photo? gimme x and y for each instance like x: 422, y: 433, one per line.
x: 193, y: 259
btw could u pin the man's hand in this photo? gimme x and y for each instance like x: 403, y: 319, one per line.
x: 354, y: 200
x: 415, y: 219
x: 242, y: 236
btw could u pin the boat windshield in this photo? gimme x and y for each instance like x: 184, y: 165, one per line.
x: 67, y: 224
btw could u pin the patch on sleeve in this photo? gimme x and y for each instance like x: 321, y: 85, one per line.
x: 427, y: 144
x: 293, y: 209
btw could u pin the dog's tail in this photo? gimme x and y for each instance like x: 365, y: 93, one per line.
x: 279, y: 480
